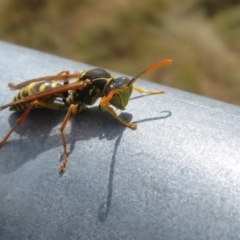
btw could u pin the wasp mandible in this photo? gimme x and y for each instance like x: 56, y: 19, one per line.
x: 90, y: 85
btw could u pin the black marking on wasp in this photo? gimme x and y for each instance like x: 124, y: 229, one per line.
x: 45, y: 92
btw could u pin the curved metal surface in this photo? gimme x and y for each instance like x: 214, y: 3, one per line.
x: 176, y: 177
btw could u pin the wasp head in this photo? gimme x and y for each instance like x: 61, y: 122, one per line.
x: 122, y: 94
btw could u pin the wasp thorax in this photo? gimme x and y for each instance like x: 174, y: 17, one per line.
x: 94, y: 74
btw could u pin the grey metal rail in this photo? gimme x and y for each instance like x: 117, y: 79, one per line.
x: 176, y: 177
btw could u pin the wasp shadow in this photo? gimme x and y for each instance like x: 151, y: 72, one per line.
x: 105, y: 206
x: 40, y: 133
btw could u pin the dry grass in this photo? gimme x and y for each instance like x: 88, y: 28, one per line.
x: 127, y: 36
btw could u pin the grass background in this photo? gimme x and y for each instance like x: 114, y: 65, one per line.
x: 200, y: 36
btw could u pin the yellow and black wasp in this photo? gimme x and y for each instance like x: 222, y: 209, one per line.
x: 90, y: 85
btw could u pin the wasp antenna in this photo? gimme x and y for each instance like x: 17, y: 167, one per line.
x: 149, y: 69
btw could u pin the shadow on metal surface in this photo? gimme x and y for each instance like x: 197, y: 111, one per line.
x: 105, y: 206
x: 40, y: 132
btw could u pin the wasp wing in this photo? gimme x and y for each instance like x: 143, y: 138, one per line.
x: 59, y: 77
x: 49, y: 92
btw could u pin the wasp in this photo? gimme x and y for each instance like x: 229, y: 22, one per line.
x: 58, y: 93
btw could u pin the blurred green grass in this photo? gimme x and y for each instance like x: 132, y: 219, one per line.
x: 200, y: 36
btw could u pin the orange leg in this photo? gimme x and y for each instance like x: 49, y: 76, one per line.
x: 104, y: 106
x: 113, y: 113
x: 66, y: 72
x: 72, y: 109
x: 63, y: 72
x: 140, y: 90
x: 25, y: 114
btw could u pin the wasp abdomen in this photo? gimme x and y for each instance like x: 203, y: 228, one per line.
x: 31, y: 89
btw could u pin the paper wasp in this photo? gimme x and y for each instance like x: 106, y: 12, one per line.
x: 45, y: 92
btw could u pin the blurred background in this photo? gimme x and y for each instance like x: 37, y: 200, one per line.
x: 202, y: 37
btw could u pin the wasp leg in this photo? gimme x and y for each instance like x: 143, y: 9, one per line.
x: 113, y: 113
x: 72, y: 109
x: 140, y: 90
x: 62, y: 73
x: 25, y: 114
x: 104, y: 106
x: 66, y: 72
